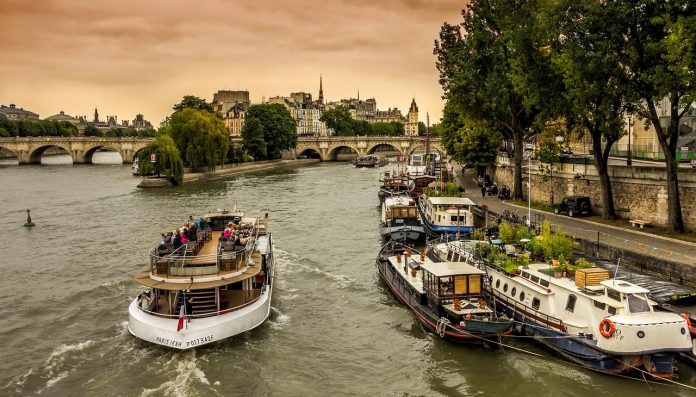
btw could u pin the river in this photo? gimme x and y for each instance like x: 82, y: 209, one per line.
x: 334, y: 329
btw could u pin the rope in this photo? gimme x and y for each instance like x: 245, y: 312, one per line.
x: 441, y: 326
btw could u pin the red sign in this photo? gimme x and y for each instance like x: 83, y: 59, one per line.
x: 153, y: 157
x: 400, y: 158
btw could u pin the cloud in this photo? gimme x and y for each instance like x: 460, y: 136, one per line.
x: 121, y: 54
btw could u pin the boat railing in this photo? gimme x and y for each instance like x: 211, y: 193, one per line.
x: 530, y: 312
x: 202, y: 315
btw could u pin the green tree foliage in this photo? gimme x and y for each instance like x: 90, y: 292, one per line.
x: 661, y: 49
x: 339, y: 120
x: 494, y: 68
x: 30, y: 128
x: 253, y: 140
x: 552, y: 245
x: 91, y: 130
x: 549, y: 155
x: 422, y: 128
x: 130, y: 132
x: 200, y: 136
x: 193, y: 102
x: 235, y: 154
x: 588, y: 48
x: 168, y: 162
x: 477, y: 144
x: 279, y: 128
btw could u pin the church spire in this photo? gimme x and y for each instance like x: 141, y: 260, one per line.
x: 321, y: 91
x: 96, y: 115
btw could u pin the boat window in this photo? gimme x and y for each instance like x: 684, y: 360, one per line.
x: 545, y: 283
x: 600, y: 305
x: 460, y: 285
x: 514, y: 291
x: 446, y: 286
x: 611, y: 310
x: 525, y: 274
x: 475, y: 284
x: 613, y: 294
x: 637, y: 303
x: 536, y: 303
x: 497, y: 284
x: 456, y: 257
x: 490, y: 279
x: 521, y: 296
x: 570, y: 305
x: 535, y: 279
x: 505, y: 287
x: 450, y: 255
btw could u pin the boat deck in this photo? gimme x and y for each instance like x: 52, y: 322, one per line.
x: 417, y: 281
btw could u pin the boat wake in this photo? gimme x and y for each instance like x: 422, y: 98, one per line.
x: 277, y: 319
x: 184, y: 379
x: 288, y: 263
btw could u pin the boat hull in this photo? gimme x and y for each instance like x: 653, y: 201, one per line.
x: 198, y: 331
x: 430, y: 320
x: 409, y: 234
x: 583, y: 351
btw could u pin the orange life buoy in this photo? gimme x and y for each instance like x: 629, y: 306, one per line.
x: 688, y: 321
x: 607, y: 328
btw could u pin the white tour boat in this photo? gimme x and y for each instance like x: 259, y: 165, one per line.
x: 209, y: 289
x: 446, y: 215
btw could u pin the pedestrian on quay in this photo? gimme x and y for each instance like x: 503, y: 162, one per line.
x: 483, y: 191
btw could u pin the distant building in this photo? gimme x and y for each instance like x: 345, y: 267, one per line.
x: 411, y: 124
x: 14, y: 113
x: 232, y: 106
x: 367, y: 111
x: 306, y: 112
x: 63, y: 117
x: 139, y: 122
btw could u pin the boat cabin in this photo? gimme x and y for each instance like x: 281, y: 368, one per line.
x: 449, y: 211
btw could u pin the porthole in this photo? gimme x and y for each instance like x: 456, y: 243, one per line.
x: 514, y: 291
x: 522, y: 296
x: 683, y: 331
x: 497, y: 284
x: 490, y: 279
x: 641, y: 334
x: 505, y: 287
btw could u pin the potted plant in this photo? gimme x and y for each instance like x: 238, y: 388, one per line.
x: 563, y: 266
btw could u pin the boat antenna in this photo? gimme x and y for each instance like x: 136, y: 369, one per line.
x: 616, y: 271
x: 458, y: 223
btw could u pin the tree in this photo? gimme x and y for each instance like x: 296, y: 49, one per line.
x: 253, y: 140
x: 494, y: 68
x: 91, y: 130
x: 549, y: 155
x: 193, y: 102
x: 478, y: 144
x: 661, y: 60
x: 421, y: 128
x: 339, y: 120
x: 200, y: 136
x: 279, y: 128
x: 168, y: 158
x: 587, y: 48
x: 382, y: 129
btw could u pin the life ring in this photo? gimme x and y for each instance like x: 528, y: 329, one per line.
x: 607, y: 328
x: 688, y: 321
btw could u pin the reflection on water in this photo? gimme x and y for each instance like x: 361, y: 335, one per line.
x: 99, y: 157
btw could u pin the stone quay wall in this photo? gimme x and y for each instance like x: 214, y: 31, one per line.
x: 639, y: 192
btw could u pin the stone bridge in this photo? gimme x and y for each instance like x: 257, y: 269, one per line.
x: 30, y: 149
x: 328, y: 149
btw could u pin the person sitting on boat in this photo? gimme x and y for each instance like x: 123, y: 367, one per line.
x: 192, y: 232
x: 188, y: 306
x: 176, y: 241
x: 183, y: 237
x: 145, y: 300
x: 227, y: 233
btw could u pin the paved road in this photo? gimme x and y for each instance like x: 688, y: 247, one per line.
x: 676, y: 250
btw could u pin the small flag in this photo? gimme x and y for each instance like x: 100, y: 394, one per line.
x: 180, y: 324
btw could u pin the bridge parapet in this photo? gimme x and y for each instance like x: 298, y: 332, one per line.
x: 30, y: 149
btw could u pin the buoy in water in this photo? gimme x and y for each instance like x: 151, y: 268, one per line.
x: 29, y: 223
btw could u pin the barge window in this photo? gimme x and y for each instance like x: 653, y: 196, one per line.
x: 600, y: 305
x: 446, y: 286
x: 460, y: 285
x: 522, y: 296
x: 497, y: 283
x: 613, y: 294
x: 535, y: 279
x: 536, y: 303
x: 570, y: 305
x: 449, y: 255
x: 612, y: 310
x: 456, y: 257
x: 490, y: 279
x: 514, y: 291
x: 475, y: 284
x: 637, y: 304
x: 545, y: 283
x: 505, y: 287
x: 525, y: 274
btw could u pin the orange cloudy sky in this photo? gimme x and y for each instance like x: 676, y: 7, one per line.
x: 126, y: 57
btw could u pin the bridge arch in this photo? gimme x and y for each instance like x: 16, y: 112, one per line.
x: 89, y: 153
x: 340, y: 151
x: 384, y: 146
x: 433, y: 148
x: 37, y: 152
x: 309, y: 153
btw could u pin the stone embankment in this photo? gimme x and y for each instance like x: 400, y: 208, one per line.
x: 228, y: 170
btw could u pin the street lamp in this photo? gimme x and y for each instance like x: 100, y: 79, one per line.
x: 529, y: 194
x: 629, y: 160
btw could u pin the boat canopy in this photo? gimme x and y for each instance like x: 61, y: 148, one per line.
x: 445, y: 269
x: 451, y: 201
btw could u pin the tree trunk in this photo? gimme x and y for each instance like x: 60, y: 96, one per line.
x: 517, y: 188
x: 601, y: 163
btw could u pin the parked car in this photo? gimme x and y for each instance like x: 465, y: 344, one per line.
x: 566, y: 150
x: 574, y: 205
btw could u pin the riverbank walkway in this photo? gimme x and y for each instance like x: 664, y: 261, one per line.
x: 679, y: 251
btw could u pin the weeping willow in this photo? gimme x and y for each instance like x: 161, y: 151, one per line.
x: 168, y: 162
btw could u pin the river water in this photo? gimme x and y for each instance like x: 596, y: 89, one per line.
x: 334, y: 329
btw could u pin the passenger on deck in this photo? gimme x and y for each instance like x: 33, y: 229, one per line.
x: 145, y: 300
x: 227, y: 233
x: 176, y: 241
x: 193, y: 232
x: 183, y: 237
